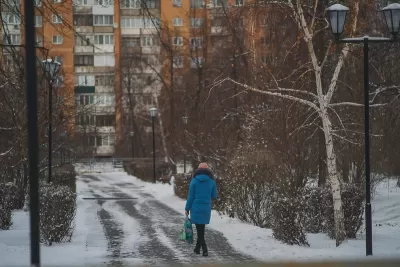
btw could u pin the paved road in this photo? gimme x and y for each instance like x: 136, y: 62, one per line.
x: 157, y: 226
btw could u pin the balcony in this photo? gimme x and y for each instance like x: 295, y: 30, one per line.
x: 84, y: 29
x: 84, y: 69
x: 103, y: 10
x: 83, y: 10
x: 105, y: 150
x: 105, y: 129
x: 13, y: 28
x: 219, y: 30
x: 84, y: 89
x: 104, y: 48
x: 130, y: 31
x: 151, y: 50
x: 83, y: 49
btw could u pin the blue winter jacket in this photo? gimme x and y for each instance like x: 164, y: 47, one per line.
x: 201, y: 191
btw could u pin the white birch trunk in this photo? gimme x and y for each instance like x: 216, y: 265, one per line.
x: 163, y: 138
x: 333, y: 179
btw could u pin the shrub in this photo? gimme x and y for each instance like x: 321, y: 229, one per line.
x: 352, y: 204
x: 247, y: 188
x: 8, y: 199
x: 181, y: 185
x: 57, y: 213
x: 65, y: 177
x: 315, y: 208
x: 288, y: 220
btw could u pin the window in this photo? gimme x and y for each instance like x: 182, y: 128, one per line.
x: 127, y: 22
x: 178, y: 62
x: 39, y: 41
x: 13, y: 2
x: 147, y: 41
x: 82, y: 40
x: 38, y: 21
x: 107, y: 140
x: 197, y: 3
x: 221, y: 3
x: 134, y: 4
x: 11, y: 18
x: 83, y: 60
x: 81, y: 2
x: 104, y: 39
x: 12, y: 39
x: 197, y: 62
x: 196, y: 42
x: 103, y: 20
x: 177, y: 22
x: 84, y: 80
x: 85, y: 120
x: 196, y: 22
x: 104, y: 99
x: 151, y: 4
x: 131, y: 42
x: 57, y: 1
x: 105, y: 60
x: 57, y: 39
x: 177, y: 2
x: 86, y: 99
x: 105, y: 120
x: 239, y: 2
x: 104, y: 80
x: 83, y: 20
x: 103, y: 2
x: 37, y: 2
x: 56, y: 19
x: 58, y: 59
x: 178, y: 41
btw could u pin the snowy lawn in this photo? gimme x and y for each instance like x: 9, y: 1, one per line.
x: 88, y: 244
x: 260, y: 244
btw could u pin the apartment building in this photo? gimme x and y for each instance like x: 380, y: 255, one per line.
x: 116, y: 55
x: 94, y: 71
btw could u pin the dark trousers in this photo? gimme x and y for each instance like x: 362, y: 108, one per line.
x: 200, y: 234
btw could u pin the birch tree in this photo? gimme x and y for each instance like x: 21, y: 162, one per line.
x: 319, y: 97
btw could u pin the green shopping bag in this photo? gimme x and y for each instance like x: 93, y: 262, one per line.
x: 182, y: 234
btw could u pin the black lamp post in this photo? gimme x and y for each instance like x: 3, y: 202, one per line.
x: 337, y: 15
x: 51, y: 68
x: 153, y: 115
x: 132, y: 134
x: 185, y: 120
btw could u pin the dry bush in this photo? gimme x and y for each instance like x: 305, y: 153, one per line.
x: 57, y: 214
x: 288, y: 222
x: 248, y: 188
x: 181, y: 185
x: 7, y: 202
x: 352, y: 203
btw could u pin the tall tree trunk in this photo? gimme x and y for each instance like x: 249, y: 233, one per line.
x: 334, y: 180
x: 321, y: 158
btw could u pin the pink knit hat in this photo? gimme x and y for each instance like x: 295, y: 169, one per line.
x: 203, y: 165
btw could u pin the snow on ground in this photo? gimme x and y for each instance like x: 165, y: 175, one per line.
x: 88, y: 244
x: 260, y: 244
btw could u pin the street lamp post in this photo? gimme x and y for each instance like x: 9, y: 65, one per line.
x: 132, y: 134
x: 185, y: 122
x: 153, y: 115
x: 337, y: 15
x: 51, y: 68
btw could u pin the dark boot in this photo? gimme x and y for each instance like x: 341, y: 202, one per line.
x: 197, y: 248
x: 205, y: 250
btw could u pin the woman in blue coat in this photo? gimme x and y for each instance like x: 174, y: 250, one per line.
x: 201, y: 192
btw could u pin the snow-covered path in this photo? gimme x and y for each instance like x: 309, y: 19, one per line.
x: 139, y: 227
